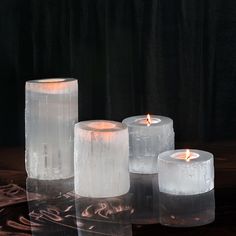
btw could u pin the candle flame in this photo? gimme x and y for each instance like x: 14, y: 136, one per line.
x: 187, y: 155
x: 149, y: 121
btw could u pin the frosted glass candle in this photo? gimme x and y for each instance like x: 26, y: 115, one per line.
x: 51, y: 110
x: 101, y: 158
x: 148, y: 138
x: 183, y: 172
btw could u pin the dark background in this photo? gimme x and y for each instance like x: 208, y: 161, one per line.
x: 175, y: 58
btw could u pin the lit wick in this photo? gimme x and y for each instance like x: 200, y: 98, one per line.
x: 149, y: 122
x: 187, y: 155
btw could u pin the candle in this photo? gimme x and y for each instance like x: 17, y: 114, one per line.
x: 101, y: 158
x: 51, y: 110
x: 186, y: 182
x: 186, y: 172
x: 148, y: 136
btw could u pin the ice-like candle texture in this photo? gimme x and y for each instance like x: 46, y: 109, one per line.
x: 183, y: 172
x: 101, y: 158
x: 51, y: 110
x: 148, y: 136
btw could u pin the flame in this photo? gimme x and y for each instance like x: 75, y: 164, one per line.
x: 187, y: 155
x: 149, y: 121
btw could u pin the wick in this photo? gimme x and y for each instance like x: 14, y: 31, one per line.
x: 187, y: 158
x: 148, y: 119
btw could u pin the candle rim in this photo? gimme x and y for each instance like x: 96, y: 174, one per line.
x: 195, y: 155
x: 51, y: 80
x: 118, y: 126
x: 158, y: 120
x: 52, y: 86
x: 204, y: 156
x: 130, y: 121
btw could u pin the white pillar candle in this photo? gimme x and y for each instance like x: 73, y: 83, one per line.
x: 148, y: 136
x: 51, y: 110
x: 185, y: 172
x: 101, y: 158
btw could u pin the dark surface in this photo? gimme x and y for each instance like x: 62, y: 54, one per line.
x: 167, y: 57
x: 12, y: 171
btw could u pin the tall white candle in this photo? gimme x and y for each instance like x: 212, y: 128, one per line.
x: 185, y: 172
x: 51, y: 110
x: 101, y: 158
x: 148, y: 136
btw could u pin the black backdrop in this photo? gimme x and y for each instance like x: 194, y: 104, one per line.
x: 169, y: 57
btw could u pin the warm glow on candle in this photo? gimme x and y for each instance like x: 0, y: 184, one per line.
x: 149, y: 121
x: 101, y: 125
x: 187, y: 155
x: 51, y: 86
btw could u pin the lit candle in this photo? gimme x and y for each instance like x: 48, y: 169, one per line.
x: 101, y: 159
x: 51, y: 110
x: 186, y: 172
x: 186, y: 184
x: 148, y: 136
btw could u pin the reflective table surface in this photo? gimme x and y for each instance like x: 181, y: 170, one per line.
x: 32, y: 207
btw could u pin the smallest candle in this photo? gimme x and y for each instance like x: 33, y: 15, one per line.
x: 185, y: 172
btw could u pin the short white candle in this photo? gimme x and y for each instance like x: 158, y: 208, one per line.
x: 185, y: 172
x: 148, y: 136
x: 51, y: 110
x: 101, y: 159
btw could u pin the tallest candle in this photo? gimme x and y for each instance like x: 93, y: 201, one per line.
x: 51, y: 110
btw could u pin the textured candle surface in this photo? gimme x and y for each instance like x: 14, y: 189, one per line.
x: 147, y: 141
x: 181, y: 177
x: 101, y: 159
x: 51, y: 110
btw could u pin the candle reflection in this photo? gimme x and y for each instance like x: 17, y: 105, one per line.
x: 145, y: 198
x: 58, y: 210
x: 187, y: 210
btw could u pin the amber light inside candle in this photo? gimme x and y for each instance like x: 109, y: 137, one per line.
x: 101, y: 125
x: 187, y: 155
x: 147, y: 121
x: 51, y: 86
